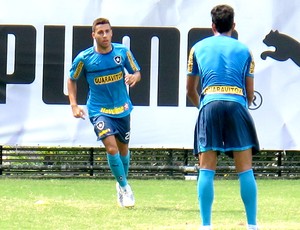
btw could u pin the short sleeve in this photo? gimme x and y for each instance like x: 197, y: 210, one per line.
x: 77, y: 68
x: 192, y: 66
x: 251, y: 66
x: 131, y: 64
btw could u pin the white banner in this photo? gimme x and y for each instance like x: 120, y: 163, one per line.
x: 38, y: 40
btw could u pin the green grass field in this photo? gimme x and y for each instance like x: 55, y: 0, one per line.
x: 160, y: 204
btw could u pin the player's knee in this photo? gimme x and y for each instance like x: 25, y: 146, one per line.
x: 112, y: 149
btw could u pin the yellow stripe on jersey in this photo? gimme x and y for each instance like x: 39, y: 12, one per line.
x: 78, y: 70
x: 133, y: 66
x: 190, y: 61
x: 252, y: 65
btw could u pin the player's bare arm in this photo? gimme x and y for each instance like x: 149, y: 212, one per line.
x: 77, y: 111
x: 250, y: 89
x: 191, y: 88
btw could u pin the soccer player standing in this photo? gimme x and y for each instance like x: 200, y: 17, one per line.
x: 223, y: 67
x: 109, y: 105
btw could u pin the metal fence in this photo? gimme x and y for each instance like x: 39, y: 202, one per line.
x: 80, y: 162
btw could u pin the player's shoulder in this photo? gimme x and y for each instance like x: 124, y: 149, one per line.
x: 241, y: 46
x: 204, y: 42
x: 86, y: 53
x: 239, y: 43
x: 236, y: 44
x: 119, y: 46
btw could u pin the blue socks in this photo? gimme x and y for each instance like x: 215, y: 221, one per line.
x: 116, y: 165
x: 126, y: 161
x: 248, y: 191
x: 205, y: 189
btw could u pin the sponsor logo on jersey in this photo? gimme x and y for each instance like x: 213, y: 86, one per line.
x: 116, y: 110
x: 108, y: 78
x: 223, y: 89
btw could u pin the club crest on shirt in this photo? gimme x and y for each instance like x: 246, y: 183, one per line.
x: 117, y: 59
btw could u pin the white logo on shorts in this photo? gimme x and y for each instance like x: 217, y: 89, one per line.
x: 100, y: 125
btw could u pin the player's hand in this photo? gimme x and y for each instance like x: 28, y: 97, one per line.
x: 78, y: 112
x: 131, y: 79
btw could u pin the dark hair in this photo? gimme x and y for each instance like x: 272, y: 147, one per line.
x: 100, y: 21
x: 223, y: 17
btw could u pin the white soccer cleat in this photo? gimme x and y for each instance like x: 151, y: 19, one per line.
x: 205, y: 228
x: 119, y: 195
x: 128, y: 198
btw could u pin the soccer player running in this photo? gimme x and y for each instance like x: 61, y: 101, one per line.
x: 223, y: 67
x: 103, y: 66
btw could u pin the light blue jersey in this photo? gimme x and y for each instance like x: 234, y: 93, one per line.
x: 105, y: 73
x: 224, y: 123
x: 222, y: 63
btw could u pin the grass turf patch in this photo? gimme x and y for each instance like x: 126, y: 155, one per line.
x: 160, y: 204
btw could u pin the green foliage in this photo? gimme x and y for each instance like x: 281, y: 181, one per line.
x: 77, y: 162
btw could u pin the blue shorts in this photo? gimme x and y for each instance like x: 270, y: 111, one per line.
x: 224, y: 127
x: 106, y: 126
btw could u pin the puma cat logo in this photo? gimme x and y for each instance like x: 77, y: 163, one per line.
x: 285, y: 47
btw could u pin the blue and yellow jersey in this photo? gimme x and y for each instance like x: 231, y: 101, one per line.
x: 105, y: 73
x: 222, y: 63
